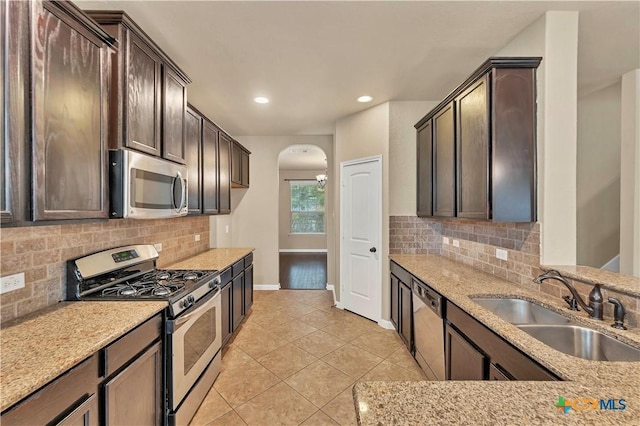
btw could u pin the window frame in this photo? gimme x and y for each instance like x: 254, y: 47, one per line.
x: 307, y: 182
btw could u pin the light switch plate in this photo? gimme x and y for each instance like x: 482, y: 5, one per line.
x: 456, y: 243
x: 197, y: 237
x: 158, y: 247
x: 445, y: 240
x: 11, y: 282
x: 502, y: 254
x: 226, y: 229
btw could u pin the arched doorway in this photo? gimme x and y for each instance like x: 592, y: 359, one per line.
x: 303, y: 217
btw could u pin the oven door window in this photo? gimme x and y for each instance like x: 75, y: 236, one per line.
x: 153, y: 190
x: 198, y: 338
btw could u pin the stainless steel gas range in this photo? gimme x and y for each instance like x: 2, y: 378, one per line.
x: 193, y: 326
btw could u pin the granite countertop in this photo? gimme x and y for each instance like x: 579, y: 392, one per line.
x: 38, y: 348
x: 502, y: 402
x: 218, y: 258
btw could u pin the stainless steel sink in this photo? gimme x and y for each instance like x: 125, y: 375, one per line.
x: 582, y: 342
x: 518, y: 311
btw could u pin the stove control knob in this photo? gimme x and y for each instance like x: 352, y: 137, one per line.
x: 217, y: 281
x: 186, y: 303
x: 191, y: 298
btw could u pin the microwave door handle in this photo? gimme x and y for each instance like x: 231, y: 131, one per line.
x: 177, y: 207
x: 183, y: 201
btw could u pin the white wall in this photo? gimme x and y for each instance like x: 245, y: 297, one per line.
x: 598, y: 177
x: 402, y: 154
x: 254, y: 221
x: 554, y: 36
x: 289, y: 241
x: 630, y: 175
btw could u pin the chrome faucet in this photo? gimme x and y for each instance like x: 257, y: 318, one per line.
x: 596, y: 301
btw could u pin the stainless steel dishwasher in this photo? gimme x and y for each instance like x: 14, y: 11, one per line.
x: 428, y: 330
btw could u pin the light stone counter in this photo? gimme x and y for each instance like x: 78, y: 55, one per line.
x: 38, y: 348
x: 218, y: 258
x: 503, y: 402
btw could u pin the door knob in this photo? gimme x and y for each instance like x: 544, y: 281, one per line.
x: 372, y: 250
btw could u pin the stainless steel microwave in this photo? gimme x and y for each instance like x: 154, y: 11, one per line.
x: 145, y: 187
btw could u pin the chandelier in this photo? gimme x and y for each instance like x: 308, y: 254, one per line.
x: 322, y: 180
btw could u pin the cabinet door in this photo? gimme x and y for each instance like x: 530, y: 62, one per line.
x: 85, y: 415
x: 174, y: 105
x: 406, y: 316
x: 472, y: 149
x: 248, y: 288
x: 224, y: 146
x: 463, y: 361
x: 395, y: 312
x: 142, y: 101
x: 238, y: 303
x: 69, y: 168
x: 134, y: 396
x: 245, y: 169
x: 209, y: 168
x: 226, y: 312
x: 425, y: 170
x: 193, y: 139
x: 496, y: 373
x: 236, y: 164
x: 444, y: 162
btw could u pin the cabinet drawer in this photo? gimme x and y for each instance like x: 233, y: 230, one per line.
x: 238, y: 267
x: 127, y: 347
x: 248, y: 260
x: 225, y: 276
x: 57, y: 399
x: 401, y: 273
x: 519, y: 365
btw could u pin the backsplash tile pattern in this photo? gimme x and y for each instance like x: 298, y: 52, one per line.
x: 41, y: 253
x: 478, y: 242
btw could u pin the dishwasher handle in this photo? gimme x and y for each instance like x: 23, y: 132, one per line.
x: 429, y: 297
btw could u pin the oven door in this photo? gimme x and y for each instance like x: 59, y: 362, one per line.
x: 194, y: 338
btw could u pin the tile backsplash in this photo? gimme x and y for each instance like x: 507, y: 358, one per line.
x: 41, y: 253
x: 477, y: 243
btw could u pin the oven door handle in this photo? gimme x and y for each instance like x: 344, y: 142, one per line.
x: 202, y: 305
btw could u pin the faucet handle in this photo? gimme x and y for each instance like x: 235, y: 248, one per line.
x: 572, y: 302
x: 618, y: 314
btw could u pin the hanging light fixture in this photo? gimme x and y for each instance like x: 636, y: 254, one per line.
x: 322, y: 178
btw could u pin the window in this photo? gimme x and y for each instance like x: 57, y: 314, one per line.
x: 307, y: 207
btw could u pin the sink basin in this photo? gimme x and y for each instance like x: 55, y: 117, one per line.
x: 582, y: 342
x: 518, y: 311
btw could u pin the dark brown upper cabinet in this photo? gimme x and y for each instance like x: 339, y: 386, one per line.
x: 193, y: 141
x: 425, y: 170
x: 224, y: 189
x: 444, y: 164
x: 148, y: 96
x: 210, y: 168
x: 239, y: 166
x: 483, y: 149
x: 70, y: 64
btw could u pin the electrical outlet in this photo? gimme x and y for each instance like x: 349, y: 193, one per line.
x: 197, y: 237
x: 11, y: 282
x: 502, y: 254
x: 445, y: 240
x: 158, y: 247
x: 456, y: 243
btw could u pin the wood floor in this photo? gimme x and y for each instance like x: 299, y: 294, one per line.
x: 303, y: 271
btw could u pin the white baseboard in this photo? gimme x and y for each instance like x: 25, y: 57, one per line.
x: 266, y: 287
x: 332, y: 289
x: 386, y: 324
x: 302, y: 250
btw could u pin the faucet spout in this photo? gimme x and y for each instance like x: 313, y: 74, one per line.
x: 596, y: 301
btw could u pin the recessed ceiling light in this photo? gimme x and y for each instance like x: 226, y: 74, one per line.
x: 365, y: 98
x: 262, y: 100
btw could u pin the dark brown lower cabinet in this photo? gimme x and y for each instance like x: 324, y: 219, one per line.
x: 226, y: 312
x: 134, y: 396
x: 496, y: 373
x: 395, y: 312
x: 406, y: 316
x: 248, y: 288
x: 85, y: 415
x: 463, y: 361
x: 238, y: 303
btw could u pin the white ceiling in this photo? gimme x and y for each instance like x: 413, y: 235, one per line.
x: 314, y: 58
x: 302, y: 157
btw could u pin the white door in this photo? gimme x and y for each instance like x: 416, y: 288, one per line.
x: 361, y: 235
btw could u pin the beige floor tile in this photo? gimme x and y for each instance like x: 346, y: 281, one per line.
x: 239, y: 384
x: 387, y: 370
x: 287, y: 360
x: 261, y: 344
x: 321, y: 319
x: 297, y: 310
x: 319, y: 343
x: 292, y: 330
x: 319, y: 382
x: 346, y: 330
x: 382, y: 344
x: 403, y: 358
x: 352, y: 360
x: 279, y: 405
x: 212, y: 407
x: 342, y: 409
x: 364, y: 323
x: 229, y: 419
x: 268, y: 319
x: 324, y: 301
x: 319, y: 419
x: 233, y: 356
